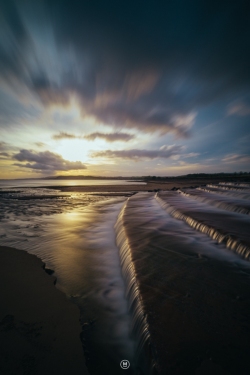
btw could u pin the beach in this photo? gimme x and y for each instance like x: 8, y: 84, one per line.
x: 153, y: 186
x: 156, y: 274
x: 39, y: 326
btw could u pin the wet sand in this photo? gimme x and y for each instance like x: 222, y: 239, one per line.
x: 175, y: 182
x: 39, y: 326
x: 122, y: 188
x: 197, y: 308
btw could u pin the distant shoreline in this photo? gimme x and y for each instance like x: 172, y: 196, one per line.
x: 149, y: 186
x: 237, y: 176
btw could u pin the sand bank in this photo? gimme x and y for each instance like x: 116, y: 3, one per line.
x: 150, y: 186
x: 119, y: 188
x: 39, y: 326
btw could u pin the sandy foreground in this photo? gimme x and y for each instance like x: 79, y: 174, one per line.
x: 39, y: 326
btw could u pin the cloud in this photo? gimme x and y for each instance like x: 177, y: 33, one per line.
x: 239, y: 109
x: 3, y: 146
x: 63, y: 135
x: 39, y: 144
x: 136, y: 154
x: 45, y: 161
x: 110, y: 137
x: 142, y: 67
x: 234, y: 158
x: 145, y: 116
x: 191, y: 155
x: 7, y: 148
x: 4, y: 156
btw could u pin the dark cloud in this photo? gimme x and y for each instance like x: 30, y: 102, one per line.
x: 39, y: 144
x: 14, y: 40
x: 164, y: 152
x: 45, y: 161
x: 63, y: 135
x: 140, y: 64
x: 110, y: 137
x: 7, y: 148
x: 4, y: 155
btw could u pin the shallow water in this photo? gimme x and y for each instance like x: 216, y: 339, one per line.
x: 195, y: 291
x: 36, y: 183
x: 129, y: 263
x: 76, y: 238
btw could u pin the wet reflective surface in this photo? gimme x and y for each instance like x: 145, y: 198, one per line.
x: 161, y: 280
x: 60, y: 182
x: 75, y: 237
x: 195, y: 291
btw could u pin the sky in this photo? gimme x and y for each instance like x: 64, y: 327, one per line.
x: 124, y: 88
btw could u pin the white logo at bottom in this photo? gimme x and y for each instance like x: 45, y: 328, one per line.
x: 124, y: 364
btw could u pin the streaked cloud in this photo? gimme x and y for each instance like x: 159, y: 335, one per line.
x: 239, y: 109
x: 3, y: 146
x: 63, y: 135
x: 4, y: 155
x: 7, y: 148
x: 235, y: 158
x: 133, y: 76
x: 40, y: 144
x: 110, y: 137
x: 45, y: 161
x: 191, y: 155
x: 137, y: 154
x: 113, y: 72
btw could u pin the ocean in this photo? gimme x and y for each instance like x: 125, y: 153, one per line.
x: 161, y: 279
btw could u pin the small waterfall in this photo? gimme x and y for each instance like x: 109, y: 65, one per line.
x: 145, y: 358
x: 215, y: 234
x: 228, y: 206
x: 230, y: 193
x: 234, y: 184
x: 228, y: 187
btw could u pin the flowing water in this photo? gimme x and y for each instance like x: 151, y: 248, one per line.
x: 158, y: 278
